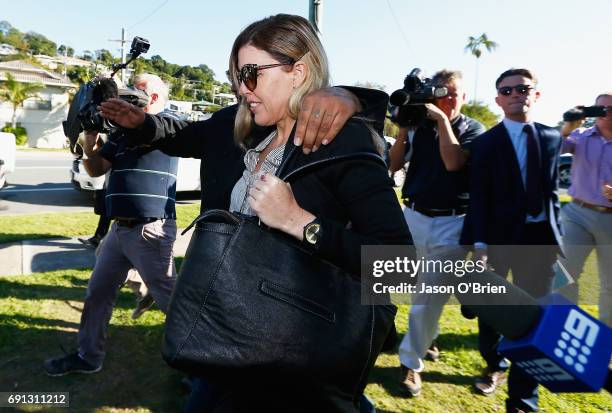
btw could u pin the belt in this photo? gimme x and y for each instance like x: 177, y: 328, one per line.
x: 598, y: 208
x: 132, y: 222
x: 435, y: 212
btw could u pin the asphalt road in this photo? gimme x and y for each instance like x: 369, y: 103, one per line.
x: 41, y: 183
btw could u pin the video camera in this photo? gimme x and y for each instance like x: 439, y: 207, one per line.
x: 583, y: 112
x: 410, y: 99
x: 83, y: 112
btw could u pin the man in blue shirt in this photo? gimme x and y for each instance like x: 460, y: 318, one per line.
x: 140, y: 197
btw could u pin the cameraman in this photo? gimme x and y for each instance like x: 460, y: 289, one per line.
x: 143, y: 208
x: 435, y: 195
x: 587, y: 220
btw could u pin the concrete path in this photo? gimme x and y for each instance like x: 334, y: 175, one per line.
x: 52, y: 254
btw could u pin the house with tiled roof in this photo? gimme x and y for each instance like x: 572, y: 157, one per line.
x: 41, y: 116
x: 54, y: 62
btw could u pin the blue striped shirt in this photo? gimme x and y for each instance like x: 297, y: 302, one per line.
x: 142, y: 182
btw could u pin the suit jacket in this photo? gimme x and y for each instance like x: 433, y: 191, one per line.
x: 498, y: 200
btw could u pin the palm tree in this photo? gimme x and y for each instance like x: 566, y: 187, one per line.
x: 16, y: 92
x: 474, y: 46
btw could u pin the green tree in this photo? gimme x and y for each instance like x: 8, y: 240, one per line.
x: 78, y: 74
x: 177, y: 89
x: 39, y: 44
x: 474, y: 46
x: 15, y: 39
x: 105, y: 57
x: 16, y: 93
x: 87, y: 55
x: 480, y: 112
x: 63, y: 50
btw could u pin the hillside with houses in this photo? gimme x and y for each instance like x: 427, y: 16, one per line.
x: 50, y: 74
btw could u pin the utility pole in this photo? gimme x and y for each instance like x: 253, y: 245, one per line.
x: 315, y: 14
x: 123, y: 42
x: 65, y: 58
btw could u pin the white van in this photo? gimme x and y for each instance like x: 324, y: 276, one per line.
x: 188, y: 176
x: 7, y: 156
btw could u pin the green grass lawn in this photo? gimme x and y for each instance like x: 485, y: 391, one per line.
x: 52, y: 225
x: 39, y: 312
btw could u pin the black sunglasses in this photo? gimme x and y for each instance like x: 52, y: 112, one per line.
x: 248, y: 73
x: 520, y: 89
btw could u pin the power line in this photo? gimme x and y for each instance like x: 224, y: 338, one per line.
x: 399, y: 27
x: 148, y: 15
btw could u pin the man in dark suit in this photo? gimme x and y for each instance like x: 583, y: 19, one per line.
x: 512, y: 216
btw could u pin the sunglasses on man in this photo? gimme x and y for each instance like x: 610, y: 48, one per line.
x: 520, y: 89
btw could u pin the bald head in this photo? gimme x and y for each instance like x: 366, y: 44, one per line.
x: 606, y: 96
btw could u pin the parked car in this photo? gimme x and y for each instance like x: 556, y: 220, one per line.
x: 188, y: 176
x: 7, y: 156
x: 565, y: 170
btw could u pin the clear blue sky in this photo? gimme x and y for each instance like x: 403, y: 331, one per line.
x: 568, y: 43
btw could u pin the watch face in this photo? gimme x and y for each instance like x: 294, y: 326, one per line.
x: 312, y: 232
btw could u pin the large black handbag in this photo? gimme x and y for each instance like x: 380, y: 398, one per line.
x: 251, y: 299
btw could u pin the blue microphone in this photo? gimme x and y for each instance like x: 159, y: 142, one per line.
x: 553, y: 340
x: 567, y: 351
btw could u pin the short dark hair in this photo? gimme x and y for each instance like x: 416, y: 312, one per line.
x: 516, y: 72
x: 445, y: 76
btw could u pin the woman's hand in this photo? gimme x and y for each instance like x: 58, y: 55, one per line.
x: 274, y: 203
x: 122, y: 113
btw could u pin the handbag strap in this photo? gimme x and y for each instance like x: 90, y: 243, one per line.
x: 215, y: 215
x: 285, y: 175
x: 226, y: 217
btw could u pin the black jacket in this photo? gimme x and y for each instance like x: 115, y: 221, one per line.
x: 498, y: 201
x: 355, y: 201
x: 359, y: 193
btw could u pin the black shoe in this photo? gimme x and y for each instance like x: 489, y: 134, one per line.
x: 433, y: 352
x: 70, y: 363
x: 144, y: 304
x: 92, y: 242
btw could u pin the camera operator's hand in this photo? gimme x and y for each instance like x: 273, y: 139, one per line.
x: 324, y: 112
x: 606, y: 190
x: 435, y: 113
x: 569, y: 126
x: 122, y: 113
x: 90, y: 141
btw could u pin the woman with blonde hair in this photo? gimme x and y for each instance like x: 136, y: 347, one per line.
x: 331, y: 211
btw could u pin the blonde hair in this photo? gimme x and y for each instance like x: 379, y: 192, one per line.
x: 288, y: 39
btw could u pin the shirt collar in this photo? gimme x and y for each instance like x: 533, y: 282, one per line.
x: 593, y: 131
x: 516, y: 128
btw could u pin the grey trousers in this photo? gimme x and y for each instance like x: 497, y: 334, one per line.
x: 146, y: 247
x: 584, y: 230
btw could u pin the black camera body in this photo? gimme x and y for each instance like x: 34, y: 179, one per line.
x: 83, y: 112
x: 410, y: 99
x: 583, y: 112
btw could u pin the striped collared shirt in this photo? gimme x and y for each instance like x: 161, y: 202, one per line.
x: 240, y: 193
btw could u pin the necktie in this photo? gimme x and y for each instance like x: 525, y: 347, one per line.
x: 534, y: 177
